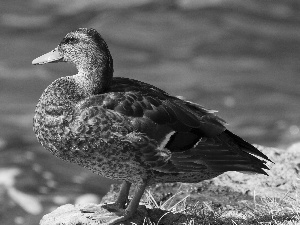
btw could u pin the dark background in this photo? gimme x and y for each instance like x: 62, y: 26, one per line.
x: 239, y: 57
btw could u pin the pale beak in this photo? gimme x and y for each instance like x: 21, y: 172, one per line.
x: 50, y: 57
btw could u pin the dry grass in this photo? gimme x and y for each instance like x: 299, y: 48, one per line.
x: 263, y: 211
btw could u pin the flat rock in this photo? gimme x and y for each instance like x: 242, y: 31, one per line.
x: 72, y: 215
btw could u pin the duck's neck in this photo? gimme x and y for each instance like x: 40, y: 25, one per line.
x: 95, y: 74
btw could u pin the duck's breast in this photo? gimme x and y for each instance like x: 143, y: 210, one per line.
x: 54, y: 113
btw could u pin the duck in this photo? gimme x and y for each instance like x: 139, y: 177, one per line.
x: 131, y: 131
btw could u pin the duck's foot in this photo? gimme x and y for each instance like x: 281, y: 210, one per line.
x: 114, y: 213
x: 107, y: 214
x: 114, y: 207
x: 111, y: 207
x: 111, y: 218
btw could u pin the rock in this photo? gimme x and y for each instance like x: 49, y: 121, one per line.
x: 72, y: 215
x: 282, y: 177
x: 294, y: 148
x: 66, y: 214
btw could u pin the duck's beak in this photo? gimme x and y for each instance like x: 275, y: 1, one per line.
x: 50, y: 57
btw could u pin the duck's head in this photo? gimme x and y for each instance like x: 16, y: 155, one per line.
x: 85, y: 48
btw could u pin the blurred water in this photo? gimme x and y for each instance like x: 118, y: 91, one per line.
x: 239, y: 57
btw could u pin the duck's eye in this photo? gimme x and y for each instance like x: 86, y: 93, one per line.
x: 70, y: 40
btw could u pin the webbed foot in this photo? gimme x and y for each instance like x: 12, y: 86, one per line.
x: 113, y: 213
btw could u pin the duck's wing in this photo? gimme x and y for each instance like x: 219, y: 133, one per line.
x: 144, y: 100
x: 189, y: 137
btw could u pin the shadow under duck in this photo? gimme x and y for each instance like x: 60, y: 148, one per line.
x: 131, y: 131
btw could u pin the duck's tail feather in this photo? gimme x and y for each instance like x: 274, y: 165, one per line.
x: 246, y: 146
x: 225, y: 152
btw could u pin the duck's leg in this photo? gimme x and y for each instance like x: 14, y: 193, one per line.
x: 122, y: 197
x: 118, y: 205
x: 133, y: 205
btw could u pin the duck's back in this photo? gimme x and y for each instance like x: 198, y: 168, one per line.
x: 154, y: 112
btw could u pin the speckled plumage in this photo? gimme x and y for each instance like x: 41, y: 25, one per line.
x: 129, y: 130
